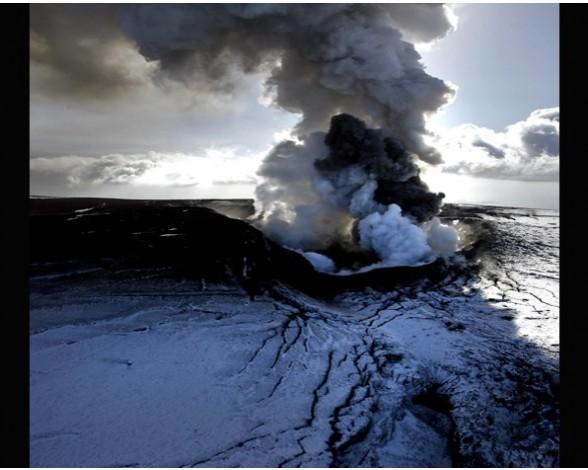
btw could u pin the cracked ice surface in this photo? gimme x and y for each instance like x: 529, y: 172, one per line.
x: 159, y: 374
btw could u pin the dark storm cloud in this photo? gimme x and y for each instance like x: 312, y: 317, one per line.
x: 81, y: 52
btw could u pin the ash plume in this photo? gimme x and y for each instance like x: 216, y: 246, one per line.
x: 356, y: 186
x: 353, y: 186
x: 322, y: 59
x: 384, y: 161
x: 351, y: 66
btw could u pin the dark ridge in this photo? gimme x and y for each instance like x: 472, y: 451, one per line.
x: 187, y: 241
x: 236, y: 208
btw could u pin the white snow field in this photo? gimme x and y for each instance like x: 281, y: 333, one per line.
x: 462, y: 372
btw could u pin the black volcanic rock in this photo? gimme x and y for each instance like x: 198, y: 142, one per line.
x: 191, y: 242
x: 194, y: 241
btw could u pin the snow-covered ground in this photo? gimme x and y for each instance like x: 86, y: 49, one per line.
x: 159, y: 373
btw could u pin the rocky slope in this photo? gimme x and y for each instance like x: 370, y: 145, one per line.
x: 135, y: 362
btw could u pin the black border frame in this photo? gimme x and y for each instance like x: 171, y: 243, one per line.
x: 574, y: 258
x: 15, y: 259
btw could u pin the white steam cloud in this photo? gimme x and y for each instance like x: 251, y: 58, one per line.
x: 354, y: 187
x: 394, y: 238
x: 214, y: 166
x: 527, y: 150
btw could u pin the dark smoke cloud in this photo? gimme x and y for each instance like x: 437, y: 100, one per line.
x: 353, y: 145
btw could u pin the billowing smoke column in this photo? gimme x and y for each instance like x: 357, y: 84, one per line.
x: 322, y: 59
x: 355, y: 186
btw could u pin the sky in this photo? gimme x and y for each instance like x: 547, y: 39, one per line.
x: 505, y: 60
x: 105, y: 122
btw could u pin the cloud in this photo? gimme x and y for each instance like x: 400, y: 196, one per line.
x: 423, y: 23
x: 153, y: 119
x: 108, y: 169
x: 492, y: 150
x: 215, y: 166
x: 317, y: 60
x: 540, y: 132
x: 93, y: 94
x: 527, y: 150
x: 250, y: 181
x: 80, y: 52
